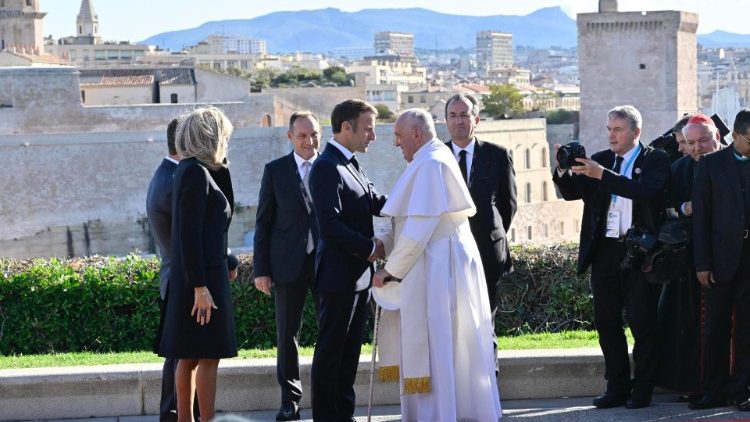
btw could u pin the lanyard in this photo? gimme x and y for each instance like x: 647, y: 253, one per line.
x: 628, y: 165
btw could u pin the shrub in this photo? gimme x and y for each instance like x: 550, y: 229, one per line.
x: 111, y: 304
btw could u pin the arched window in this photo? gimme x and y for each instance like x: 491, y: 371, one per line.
x: 544, y: 157
x: 527, y: 159
x: 528, y: 232
x: 266, y: 121
x: 173, y: 99
x: 544, y: 191
x: 528, y: 193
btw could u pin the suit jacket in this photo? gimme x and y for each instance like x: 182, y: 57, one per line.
x: 718, y: 215
x: 492, y: 185
x: 159, y: 212
x: 647, y: 190
x: 681, y: 183
x: 344, y: 201
x: 282, y: 222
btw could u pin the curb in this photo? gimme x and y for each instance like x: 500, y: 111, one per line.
x: 250, y: 385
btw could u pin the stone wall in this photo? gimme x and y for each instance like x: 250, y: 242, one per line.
x: 84, y: 193
x: 644, y: 59
x: 48, y: 100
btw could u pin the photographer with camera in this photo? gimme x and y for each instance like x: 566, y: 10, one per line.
x: 623, y: 190
x: 721, y: 227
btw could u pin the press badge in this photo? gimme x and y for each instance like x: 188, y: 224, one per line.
x: 613, y: 224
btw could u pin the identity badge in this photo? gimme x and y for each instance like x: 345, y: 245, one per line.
x: 613, y: 224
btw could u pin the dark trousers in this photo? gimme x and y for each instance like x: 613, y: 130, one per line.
x: 342, y: 320
x: 720, y: 298
x: 290, y: 301
x: 615, y: 290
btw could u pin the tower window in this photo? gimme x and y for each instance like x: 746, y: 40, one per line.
x: 642, y: 66
x: 173, y: 98
x: 29, y: 3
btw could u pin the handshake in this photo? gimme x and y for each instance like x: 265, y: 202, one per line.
x: 378, y: 252
x: 381, y: 276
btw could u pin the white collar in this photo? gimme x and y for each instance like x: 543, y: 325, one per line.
x: 300, y: 161
x: 629, y: 154
x: 347, y: 154
x: 469, y: 148
x: 171, y: 159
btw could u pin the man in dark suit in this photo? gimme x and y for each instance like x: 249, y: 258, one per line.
x: 622, y: 187
x: 285, y: 236
x: 345, y: 201
x: 159, y: 212
x: 680, y: 301
x: 721, y: 227
x: 488, y: 171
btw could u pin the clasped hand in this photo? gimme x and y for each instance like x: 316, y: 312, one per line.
x: 379, y: 251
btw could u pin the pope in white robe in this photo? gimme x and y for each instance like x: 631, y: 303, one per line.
x: 435, y: 330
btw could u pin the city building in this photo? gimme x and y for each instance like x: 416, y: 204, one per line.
x: 398, y: 43
x: 87, y: 49
x: 494, y: 49
x: 222, y: 44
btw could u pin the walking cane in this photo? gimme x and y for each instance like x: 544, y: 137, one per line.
x: 372, y: 364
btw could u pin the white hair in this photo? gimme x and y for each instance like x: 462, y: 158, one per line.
x: 711, y: 128
x: 204, y: 134
x: 629, y: 113
x: 421, y: 119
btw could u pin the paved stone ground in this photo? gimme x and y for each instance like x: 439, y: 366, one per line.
x: 664, y: 408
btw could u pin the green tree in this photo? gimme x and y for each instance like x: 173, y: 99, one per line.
x: 336, y: 74
x: 503, y: 100
x: 384, y: 113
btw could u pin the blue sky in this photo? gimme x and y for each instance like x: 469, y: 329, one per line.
x: 138, y: 19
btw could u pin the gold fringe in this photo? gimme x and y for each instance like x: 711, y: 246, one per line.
x: 417, y: 385
x: 388, y: 373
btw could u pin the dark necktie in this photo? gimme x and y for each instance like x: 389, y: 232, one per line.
x: 462, y: 165
x: 618, y: 164
x: 355, y: 163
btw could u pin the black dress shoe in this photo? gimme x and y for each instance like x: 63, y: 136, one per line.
x: 689, y: 398
x: 744, y: 406
x: 639, y: 399
x: 609, y: 400
x: 708, y: 401
x: 289, y: 412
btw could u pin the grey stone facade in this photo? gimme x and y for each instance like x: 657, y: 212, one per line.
x: 646, y: 59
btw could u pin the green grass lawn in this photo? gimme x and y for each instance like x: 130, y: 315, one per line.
x: 564, y: 340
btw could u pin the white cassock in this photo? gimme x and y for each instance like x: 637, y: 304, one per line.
x: 442, y: 329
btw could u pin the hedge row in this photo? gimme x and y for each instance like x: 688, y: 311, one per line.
x: 107, y: 304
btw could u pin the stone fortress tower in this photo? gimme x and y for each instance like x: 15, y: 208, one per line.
x: 21, y: 26
x: 646, y: 59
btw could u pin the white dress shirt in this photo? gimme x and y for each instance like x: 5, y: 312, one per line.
x: 469, y: 155
x: 618, y: 203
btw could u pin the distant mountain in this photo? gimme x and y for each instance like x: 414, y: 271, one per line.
x: 324, y: 30
x: 725, y: 39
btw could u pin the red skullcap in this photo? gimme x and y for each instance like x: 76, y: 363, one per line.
x: 701, y: 119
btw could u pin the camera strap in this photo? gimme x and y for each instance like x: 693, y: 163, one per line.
x: 627, y: 167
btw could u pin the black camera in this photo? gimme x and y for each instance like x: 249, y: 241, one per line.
x: 567, y: 154
x: 668, y: 143
x: 637, y: 244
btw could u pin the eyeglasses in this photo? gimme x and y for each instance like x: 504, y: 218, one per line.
x: 742, y: 136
